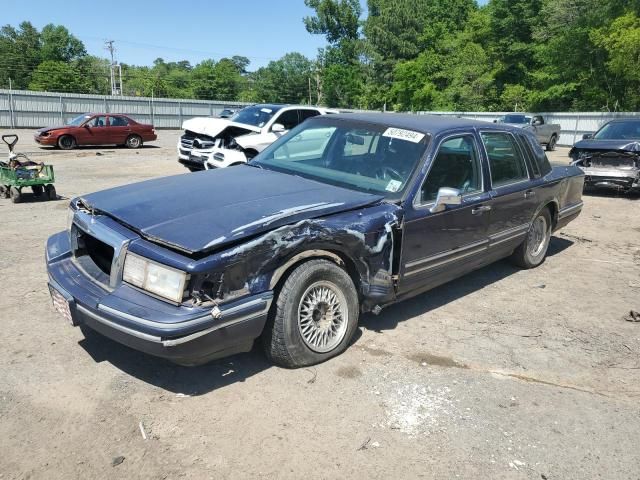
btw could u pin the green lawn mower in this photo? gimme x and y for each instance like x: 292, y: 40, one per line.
x: 19, y: 172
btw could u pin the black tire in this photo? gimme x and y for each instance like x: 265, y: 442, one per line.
x: 533, y: 250
x: 16, y: 195
x: 551, y: 146
x: 283, y: 339
x: 51, y: 193
x: 66, y: 142
x: 37, y: 190
x: 133, y: 141
x: 4, y: 191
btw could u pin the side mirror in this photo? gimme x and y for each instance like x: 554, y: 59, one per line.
x: 495, y: 120
x: 587, y: 136
x: 536, y: 123
x: 446, y: 196
x: 278, y: 128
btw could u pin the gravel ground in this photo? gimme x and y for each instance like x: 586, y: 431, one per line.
x: 500, y: 374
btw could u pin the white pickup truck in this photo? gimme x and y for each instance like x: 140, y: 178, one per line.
x: 546, y: 133
x: 209, y: 143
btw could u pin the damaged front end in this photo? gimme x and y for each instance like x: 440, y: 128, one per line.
x: 612, y: 169
x: 199, y: 146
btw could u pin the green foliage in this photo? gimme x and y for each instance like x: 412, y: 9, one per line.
x: 405, y: 55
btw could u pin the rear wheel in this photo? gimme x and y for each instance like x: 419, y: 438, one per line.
x: 16, y: 195
x: 67, y: 142
x: 551, y: 146
x: 533, y: 250
x: 50, y: 191
x: 133, y: 141
x: 315, y: 316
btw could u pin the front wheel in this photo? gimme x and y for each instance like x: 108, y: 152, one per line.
x: 315, y: 316
x: 16, y: 195
x: 51, y: 193
x: 67, y: 142
x: 533, y: 250
x: 133, y: 141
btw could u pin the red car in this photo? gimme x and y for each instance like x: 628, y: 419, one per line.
x: 97, y: 129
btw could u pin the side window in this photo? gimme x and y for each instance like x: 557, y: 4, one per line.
x: 538, y: 119
x: 505, y: 160
x: 304, y: 114
x: 457, y: 165
x: 118, y: 122
x: 539, y: 158
x: 525, y: 147
x: 97, y: 122
x: 289, y: 119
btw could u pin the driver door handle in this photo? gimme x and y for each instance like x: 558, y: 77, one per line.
x: 529, y: 194
x: 480, y: 210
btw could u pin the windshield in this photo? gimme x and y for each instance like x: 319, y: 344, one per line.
x: 619, y: 131
x: 516, y: 119
x: 364, y: 157
x: 78, y: 120
x: 258, y: 115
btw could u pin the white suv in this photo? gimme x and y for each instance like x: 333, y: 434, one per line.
x: 223, y: 142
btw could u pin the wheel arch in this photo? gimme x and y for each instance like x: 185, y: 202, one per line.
x: 281, y: 273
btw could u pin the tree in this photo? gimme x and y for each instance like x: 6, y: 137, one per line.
x: 284, y: 80
x: 19, y: 54
x: 59, y: 45
x: 57, y: 76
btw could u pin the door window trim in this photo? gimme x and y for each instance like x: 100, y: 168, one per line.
x: 417, y: 204
x: 486, y: 153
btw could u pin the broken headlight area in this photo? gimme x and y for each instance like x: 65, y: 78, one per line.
x: 217, y: 287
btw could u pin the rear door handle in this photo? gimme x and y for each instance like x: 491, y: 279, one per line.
x: 480, y: 210
x: 529, y: 194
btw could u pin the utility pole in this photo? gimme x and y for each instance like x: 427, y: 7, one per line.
x: 115, y: 70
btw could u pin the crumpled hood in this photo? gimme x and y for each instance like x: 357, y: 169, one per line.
x: 214, y: 126
x: 202, y: 211
x: 595, y: 144
x: 49, y: 129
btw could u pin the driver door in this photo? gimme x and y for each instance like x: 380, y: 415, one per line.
x: 94, y: 131
x: 440, y: 246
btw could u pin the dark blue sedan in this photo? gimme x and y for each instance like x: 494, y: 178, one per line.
x: 345, y: 214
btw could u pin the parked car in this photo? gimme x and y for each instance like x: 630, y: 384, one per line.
x: 97, y: 129
x: 217, y: 143
x: 294, y: 245
x: 546, y: 133
x: 610, y: 158
x: 227, y: 112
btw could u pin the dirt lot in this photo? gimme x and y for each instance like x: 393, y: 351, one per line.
x: 501, y: 374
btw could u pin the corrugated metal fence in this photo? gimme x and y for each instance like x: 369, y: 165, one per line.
x: 573, y: 124
x: 26, y: 109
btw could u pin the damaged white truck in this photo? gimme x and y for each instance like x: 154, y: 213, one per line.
x: 209, y: 143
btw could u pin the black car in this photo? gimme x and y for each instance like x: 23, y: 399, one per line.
x: 345, y: 214
x: 611, y: 157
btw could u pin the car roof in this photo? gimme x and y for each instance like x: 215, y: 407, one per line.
x: 432, y: 124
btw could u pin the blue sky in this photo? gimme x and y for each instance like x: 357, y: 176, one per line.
x: 144, y: 30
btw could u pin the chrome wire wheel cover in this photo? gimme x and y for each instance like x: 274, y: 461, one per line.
x: 322, y: 316
x: 538, y: 237
x: 134, y: 141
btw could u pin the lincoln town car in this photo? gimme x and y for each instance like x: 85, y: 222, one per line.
x: 344, y: 214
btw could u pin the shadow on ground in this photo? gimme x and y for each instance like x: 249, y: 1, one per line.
x: 220, y: 373
x: 449, y: 292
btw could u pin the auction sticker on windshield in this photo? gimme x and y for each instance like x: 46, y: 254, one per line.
x: 402, y: 134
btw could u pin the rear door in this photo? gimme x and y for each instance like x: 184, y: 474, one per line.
x: 513, y: 195
x: 119, y: 129
x: 437, y: 247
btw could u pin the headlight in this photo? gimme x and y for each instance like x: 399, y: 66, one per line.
x: 159, y: 279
